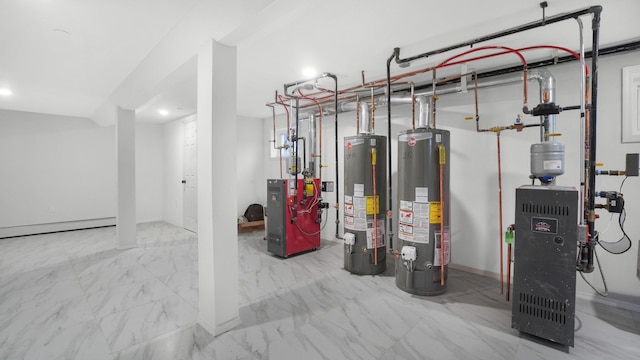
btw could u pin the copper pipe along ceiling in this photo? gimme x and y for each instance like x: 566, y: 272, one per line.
x: 382, y: 82
x: 412, y: 99
x: 376, y: 84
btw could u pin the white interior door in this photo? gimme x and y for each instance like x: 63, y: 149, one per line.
x: 190, y: 199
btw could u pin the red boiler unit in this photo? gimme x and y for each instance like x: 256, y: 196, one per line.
x: 293, y: 221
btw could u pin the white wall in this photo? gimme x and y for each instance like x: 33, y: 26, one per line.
x: 59, y: 169
x: 251, y: 183
x: 474, y: 187
x: 173, y: 170
x: 149, y: 172
x: 54, y: 169
x: 252, y: 187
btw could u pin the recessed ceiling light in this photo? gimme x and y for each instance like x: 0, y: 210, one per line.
x: 5, y: 92
x: 309, y: 72
x: 163, y: 112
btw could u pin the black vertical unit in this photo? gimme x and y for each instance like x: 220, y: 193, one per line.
x: 544, y: 281
x: 276, y: 216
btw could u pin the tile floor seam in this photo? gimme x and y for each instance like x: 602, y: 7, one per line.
x: 155, y: 338
x: 99, y: 321
x: 95, y: 315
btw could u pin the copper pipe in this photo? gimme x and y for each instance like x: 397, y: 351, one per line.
x: 273, y: 111
x: 508, y: 51
x: 319, y: 101
x: 500, y: 214
x: 382, y: 82
x: 475, y: 93
x: 454, y: 77
x: 475, y: 90
x: 285, y: 107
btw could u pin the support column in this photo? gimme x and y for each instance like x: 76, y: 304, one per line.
x: 126, y: 150
x: 217, y: 204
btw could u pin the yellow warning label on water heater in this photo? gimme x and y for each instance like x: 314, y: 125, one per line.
x: 370, y: 209
x: 434, y: 212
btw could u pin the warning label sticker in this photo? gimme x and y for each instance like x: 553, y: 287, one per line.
x: 447, y: 248
x: 358, y: 190
x: 371, y: 209
x: 406, y: 217
x: 406, y: 205
x: 348, y: 209
x: 414, y: 218
x: 552, y: 165
x: 349, y: 222
x: 421, y: 222
x: 359, y: 213
x: 371, y: 240
x: 434, y: 215
x: 405, y: 232
x: 422, y: 194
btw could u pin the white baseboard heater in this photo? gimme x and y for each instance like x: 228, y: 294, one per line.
x: 24, y: 230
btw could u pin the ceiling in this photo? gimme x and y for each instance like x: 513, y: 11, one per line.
x: 70, y: 57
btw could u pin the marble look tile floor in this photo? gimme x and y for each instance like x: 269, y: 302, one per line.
x: 72, y: 295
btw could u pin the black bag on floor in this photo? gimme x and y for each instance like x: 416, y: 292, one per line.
x: 254, y: 212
